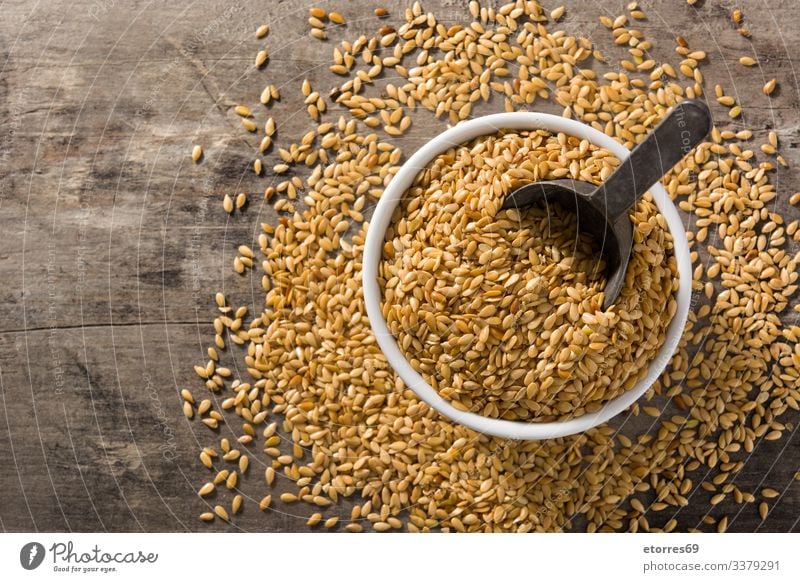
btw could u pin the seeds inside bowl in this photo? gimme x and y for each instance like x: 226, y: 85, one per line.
x: 501, y: 310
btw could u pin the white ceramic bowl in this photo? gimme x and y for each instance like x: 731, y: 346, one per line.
x: 460, y: 134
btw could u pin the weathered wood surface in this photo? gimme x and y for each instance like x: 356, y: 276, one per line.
x: 113, y: 242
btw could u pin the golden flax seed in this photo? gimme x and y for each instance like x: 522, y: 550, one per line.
x: 311, y: 361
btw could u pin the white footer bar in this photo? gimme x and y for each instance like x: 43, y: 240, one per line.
x: 354, y: 557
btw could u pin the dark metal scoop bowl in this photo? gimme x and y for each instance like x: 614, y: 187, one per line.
x: 602, y: 211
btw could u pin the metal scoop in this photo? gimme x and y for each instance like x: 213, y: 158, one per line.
x: 602, y: 210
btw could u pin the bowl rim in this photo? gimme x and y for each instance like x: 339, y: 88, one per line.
x: 373, y: 248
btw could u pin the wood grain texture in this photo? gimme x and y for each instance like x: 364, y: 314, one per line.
x: 114, y: 242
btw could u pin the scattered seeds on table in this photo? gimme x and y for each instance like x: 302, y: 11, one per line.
x: 221, y: 512
x: 557, y: 13
x: 243, y: 111
x: 722, y: 525
x: 205, y: 405
x: 763, y: 510
x: 313, y: 381
x: 331, y: 522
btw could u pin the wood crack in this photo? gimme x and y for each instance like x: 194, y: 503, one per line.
x: 101, y: 325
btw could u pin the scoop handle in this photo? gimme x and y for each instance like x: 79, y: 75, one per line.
x: 685, y: 126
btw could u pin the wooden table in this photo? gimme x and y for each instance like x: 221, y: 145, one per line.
x: 114, y: 242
